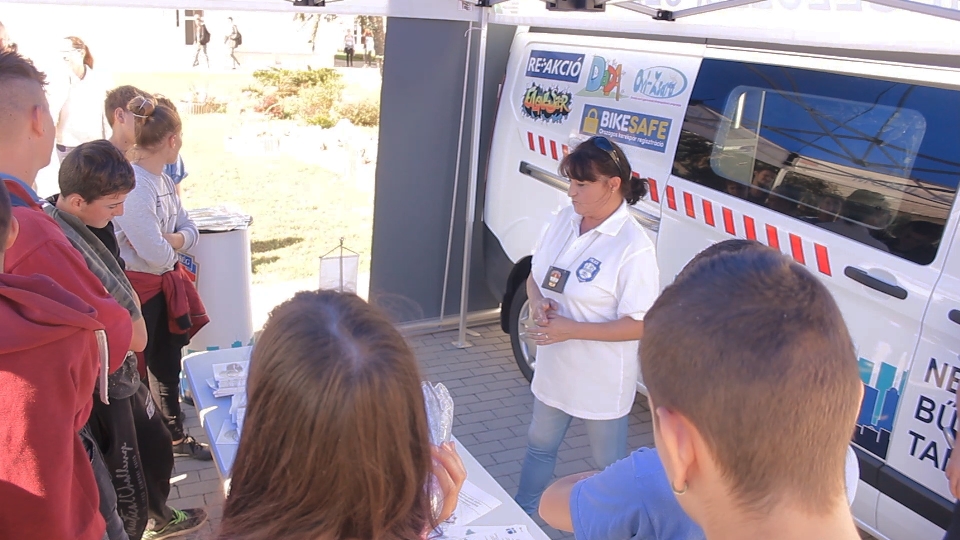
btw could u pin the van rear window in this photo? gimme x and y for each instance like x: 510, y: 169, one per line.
x: 876, y: 161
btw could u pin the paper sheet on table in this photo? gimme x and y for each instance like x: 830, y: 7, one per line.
x: 488, y: 532
x: 228, y: 434
x: 472, y: 504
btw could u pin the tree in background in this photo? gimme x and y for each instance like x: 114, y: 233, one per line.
x: 313, y: 21
x: 377, y: 26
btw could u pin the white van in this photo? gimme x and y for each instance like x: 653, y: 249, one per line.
x: 849, y: 166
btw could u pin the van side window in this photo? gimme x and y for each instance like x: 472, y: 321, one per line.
x: 876, y: 161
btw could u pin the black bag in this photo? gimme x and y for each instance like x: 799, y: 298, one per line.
x: 239, y: 38
x: 204, y: 35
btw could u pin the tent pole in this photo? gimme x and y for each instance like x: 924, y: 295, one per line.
x: 456, y: 176
x: 917, y: 7
x: 707, y: 8
x: 471, y: 208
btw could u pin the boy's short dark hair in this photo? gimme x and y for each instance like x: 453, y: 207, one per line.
x: 15, y: 66
x: 118, y: 99
x: 94, y: 170
x: 753, y: 350
x: 6, y: 217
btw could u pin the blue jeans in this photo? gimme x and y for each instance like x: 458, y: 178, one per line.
x: 608, y: 441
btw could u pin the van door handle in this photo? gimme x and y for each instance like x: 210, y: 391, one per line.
x: 954, y: 315
x: 864, y: 278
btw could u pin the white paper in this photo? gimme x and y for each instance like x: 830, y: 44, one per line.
x: 472, y: 504
x: 228, y: 434
x: 229, y: 391
x: 238, y: 401
x: 241, y: 412
x: 231, y: 374
x: 488, y: 532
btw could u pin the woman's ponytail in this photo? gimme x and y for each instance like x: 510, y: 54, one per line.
x: 633, y: 189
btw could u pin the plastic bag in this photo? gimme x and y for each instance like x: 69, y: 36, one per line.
x: 439, y: 405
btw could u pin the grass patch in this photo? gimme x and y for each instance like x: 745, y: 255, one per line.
x: 300, y: 210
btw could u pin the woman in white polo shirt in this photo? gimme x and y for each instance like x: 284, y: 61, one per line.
x: 81, y: 118
x: 593, y: 277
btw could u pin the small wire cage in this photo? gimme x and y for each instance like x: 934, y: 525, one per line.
x: 339, y: 269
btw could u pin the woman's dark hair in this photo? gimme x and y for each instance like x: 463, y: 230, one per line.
x: 79, y: 45
x: 154, y: 123
x: 588, y: 163
x: 335, y: 442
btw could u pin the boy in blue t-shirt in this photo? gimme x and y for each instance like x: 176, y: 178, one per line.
x: 630, y: 499
x: 177, y: 172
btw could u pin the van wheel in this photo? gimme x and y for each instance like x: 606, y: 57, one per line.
x: 524, y: 349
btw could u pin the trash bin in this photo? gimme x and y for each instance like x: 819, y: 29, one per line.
x: 221, y: 260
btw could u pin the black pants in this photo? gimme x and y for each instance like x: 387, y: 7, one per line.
x: 163, y: 355
x: 136, y: 448
x: 116, y: 435
x: 349, y: 53
x: 156, y: 453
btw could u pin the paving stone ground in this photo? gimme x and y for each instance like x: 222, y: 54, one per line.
x: 492, y: 412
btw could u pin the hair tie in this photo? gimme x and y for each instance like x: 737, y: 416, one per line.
x: 142, y: 103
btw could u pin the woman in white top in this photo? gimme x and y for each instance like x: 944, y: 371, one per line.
x: 593, y: 277
x: 153, y: 227
x: 81, y: 118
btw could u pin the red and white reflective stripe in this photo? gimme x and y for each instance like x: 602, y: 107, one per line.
x: 555, y: 150
x: 749, y: 228
x: 688, y: 205
x: 796, y: 243
x: 546, y: 147
x: 773, y: 237
x: 654, y: 194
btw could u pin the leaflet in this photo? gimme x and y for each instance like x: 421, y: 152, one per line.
x: 472, y: 504
x: 488, y: 532
x: 228, y: 434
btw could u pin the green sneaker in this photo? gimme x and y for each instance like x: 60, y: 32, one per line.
x: 183, y: 522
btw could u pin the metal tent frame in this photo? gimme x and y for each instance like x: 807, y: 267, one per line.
x: 479, y: 20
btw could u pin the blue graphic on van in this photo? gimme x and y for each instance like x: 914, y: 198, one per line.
x: 660, y: 82
x: 640, y: 130
x: 556, y: 66
x: 881, y: 397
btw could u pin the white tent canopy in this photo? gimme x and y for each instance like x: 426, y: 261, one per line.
x: 845, y: 24
x: 851, y: 24
x: 924, y: 27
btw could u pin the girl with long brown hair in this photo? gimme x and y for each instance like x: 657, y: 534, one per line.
x: 336, y: 443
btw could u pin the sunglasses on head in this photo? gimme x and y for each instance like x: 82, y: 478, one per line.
x: 604, y: 144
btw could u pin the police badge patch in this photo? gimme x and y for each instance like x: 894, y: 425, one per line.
x: 588, y: 270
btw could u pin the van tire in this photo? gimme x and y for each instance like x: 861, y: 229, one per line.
x: 524, y: 352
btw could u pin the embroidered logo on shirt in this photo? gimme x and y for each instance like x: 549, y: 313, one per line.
x: 588, y: 269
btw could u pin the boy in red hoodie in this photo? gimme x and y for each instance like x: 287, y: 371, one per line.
x: 48, y: 365
x: 50, y: 354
